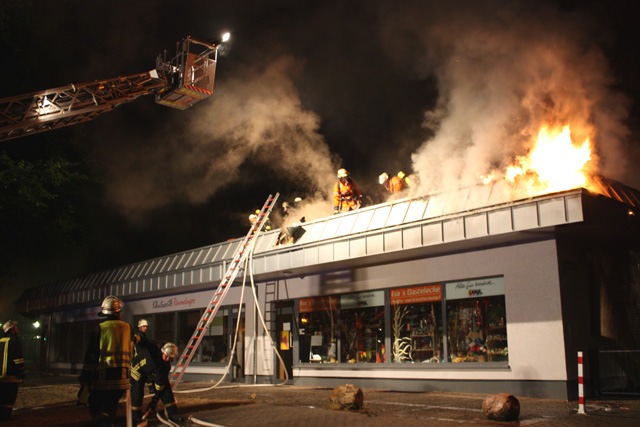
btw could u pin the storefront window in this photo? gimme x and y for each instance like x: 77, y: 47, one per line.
x: 187, y: 323
x: 476, y: 321
x: 165, y: 328
x: 318, y: 329
x: 71, y: 344
x: 362, y: 329
x: 215, y: 344
x: 416, y: 314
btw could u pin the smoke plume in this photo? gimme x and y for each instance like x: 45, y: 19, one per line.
x: 502, y: 72
x: 255, y: 117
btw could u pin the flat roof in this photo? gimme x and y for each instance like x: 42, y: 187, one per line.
x: 399, y: 229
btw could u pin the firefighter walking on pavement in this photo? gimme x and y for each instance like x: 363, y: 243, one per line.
x: 347, y: 196
x: 105, y: 374
x: 152, y: 366
x: 12, y: 371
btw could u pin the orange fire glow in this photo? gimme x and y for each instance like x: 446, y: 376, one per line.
x: 553, y: 164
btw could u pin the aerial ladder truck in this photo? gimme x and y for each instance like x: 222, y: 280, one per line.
x: 178, y: 82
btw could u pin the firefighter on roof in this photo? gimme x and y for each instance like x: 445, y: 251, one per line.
x: 347, y: 196
x: 12, y: 370
x: 152, y: 366
x: 107, y: 363
x: 393, y: 185
x: 254, y: 217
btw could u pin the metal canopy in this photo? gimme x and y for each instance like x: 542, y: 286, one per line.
x: 463, y: 219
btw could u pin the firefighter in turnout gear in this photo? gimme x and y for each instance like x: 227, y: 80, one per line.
x: 140, y: 339
x: 347, y: 196
x: 393, y: 185
x: 12, y: 371
x: 152, y: 366
x: 105, y: 374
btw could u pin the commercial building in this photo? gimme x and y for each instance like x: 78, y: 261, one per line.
x: 477, y: 290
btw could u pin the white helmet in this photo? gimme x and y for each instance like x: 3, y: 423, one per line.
x: 384, y: 177
x: 8, y: 325
x: 170, y: 349
x: 111, y: 305
x: 142, y: 322
x: 342, y: 173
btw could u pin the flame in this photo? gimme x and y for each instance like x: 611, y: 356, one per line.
x: 553, y: 164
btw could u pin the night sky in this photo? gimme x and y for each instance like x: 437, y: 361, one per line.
x: 447, y: 92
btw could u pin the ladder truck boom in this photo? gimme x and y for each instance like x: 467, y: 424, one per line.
x: 179, y: 82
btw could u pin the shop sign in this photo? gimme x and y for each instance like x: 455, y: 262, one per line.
x: 308, y: 305
x: 477, y: 288
x: 363, y: 299
x: 173, y: 303
x: 416, y: 294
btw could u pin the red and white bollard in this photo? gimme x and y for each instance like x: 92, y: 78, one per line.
x: 580, y: 385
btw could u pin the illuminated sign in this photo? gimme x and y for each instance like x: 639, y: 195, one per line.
x: 363, y: 299
x: 475, y: 288
x: 307, y: 305
x: 416, y: 294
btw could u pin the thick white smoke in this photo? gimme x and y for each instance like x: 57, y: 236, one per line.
x: 256, y: 116
x: 504, y: 69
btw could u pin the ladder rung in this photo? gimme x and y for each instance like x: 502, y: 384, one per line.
x: 188, y: 353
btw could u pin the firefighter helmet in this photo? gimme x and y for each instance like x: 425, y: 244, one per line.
x: 111, y: 305
x: 384, y: 177
x: 170, y: 350
x: 142, y: 322
x: 8, y: 325
x: 342, y: 173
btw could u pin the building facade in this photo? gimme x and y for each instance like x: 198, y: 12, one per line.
x: 468, y: 291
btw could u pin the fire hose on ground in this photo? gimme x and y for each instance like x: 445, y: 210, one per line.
x: 235, y: 340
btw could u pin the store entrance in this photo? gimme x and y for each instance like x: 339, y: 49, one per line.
x: 285, y: 326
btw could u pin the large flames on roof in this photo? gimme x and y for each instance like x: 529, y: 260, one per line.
x: 554, y: 163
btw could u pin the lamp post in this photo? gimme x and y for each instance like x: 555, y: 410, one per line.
x: 36, y: 326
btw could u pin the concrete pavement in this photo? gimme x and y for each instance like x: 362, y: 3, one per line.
x: 233, y: 405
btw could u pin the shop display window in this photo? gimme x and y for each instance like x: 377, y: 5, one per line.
x: 164, y: 330
x: 436, y: 323
x: 73, y: 339
x: 416, y: 323
x: 476, y: 321
x: 318, y: 326
x: 187, y: 323
x: 215, y: 343
x: 362, y: 330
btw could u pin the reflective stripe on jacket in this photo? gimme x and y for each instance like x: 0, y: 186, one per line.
x: 12, y: 369
x: 107, y: 362
x: 346, y: 194
x: 115, y: 345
